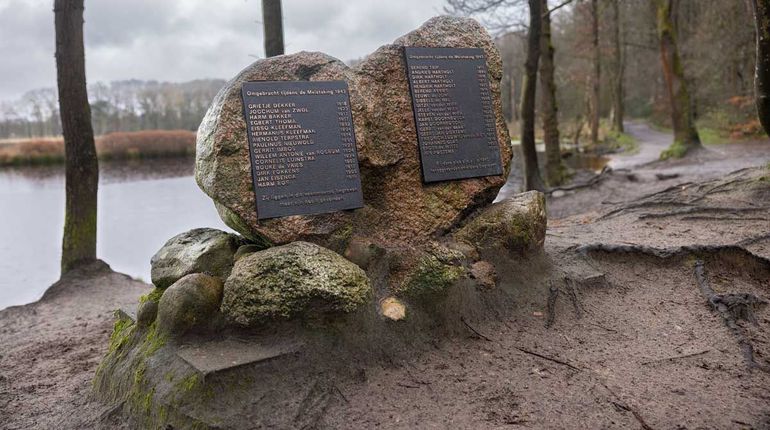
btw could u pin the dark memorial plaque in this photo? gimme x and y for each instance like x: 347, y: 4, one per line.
x: 302, y: 146
x: 452, y: 102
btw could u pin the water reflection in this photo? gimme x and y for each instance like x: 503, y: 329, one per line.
x: 141, y: 205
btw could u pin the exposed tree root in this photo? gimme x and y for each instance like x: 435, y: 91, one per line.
x: 595, y: 180
x: 704, y: 209
x: 669, y: 252
x: 732, y: 308
x: 753, y: 240
x: 571, y: 291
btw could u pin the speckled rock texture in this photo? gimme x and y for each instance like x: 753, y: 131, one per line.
x: 289, y: 280
x: 400, y: 210
x: 196, y: 251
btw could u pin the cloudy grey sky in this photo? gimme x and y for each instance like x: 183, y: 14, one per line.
x: 179, y: 40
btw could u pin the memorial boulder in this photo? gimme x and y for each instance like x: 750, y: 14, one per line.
x: 400, y: 210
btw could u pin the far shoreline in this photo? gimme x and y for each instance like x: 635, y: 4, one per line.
x: 130, y: 145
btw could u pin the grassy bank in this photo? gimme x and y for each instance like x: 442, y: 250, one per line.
x: 112, y: 146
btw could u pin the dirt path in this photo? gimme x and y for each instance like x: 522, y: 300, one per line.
x: 632, y: 342
x: 651, y: 144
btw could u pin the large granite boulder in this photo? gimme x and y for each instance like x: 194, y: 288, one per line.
x: 293, y: 279
x: 196, y: 251
x: 400, y: 209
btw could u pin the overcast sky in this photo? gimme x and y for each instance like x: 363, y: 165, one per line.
x: 180, y: 40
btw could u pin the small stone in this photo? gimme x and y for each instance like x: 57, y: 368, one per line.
x: 558, y: 193
x: 393, y: 309
x: 190, y: 303
x: 516, y: 224
x: 485, y: 275
x: 201, y: 250
x: 290, y: 280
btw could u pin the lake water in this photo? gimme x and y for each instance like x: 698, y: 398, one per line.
x: 141, y: 205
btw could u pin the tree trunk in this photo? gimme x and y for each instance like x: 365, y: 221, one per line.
x: 685, y: 134
x: 81, y: 166
x: 272, y: 23
x: 597, y: 72
x: 532, y: 179
x: 554, y: 170
x: 619, y: 63
x: 505, y: 94
x: 762, y: 71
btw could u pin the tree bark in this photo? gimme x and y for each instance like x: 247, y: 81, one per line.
x: 272, y: 23
x: 81, y: 166
x: 554, y: 170
x: 505, y: 94
x: 762, y: 71
x: 685, y: 134
x: 619, y: 63
x: 597, y: 72
x: 532, y: 179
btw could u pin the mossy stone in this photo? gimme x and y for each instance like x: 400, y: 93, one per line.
x: 516, y: 224
x: 286, y: 281
x: 190, y: 303
x: 200, y: 250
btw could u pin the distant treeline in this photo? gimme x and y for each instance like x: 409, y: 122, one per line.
x: 109, y: 146
x: 131, y: 105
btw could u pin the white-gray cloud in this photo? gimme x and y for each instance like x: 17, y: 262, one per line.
x: 188, y: 39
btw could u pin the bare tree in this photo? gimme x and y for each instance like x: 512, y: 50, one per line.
x: 597, y: 72
x: 554, y: 169
x: 272, y: 23
x: 762, y: 73
x: 685, y: 134
x: 618, y: 69
x: 81, y: 166
x: 532, y: 179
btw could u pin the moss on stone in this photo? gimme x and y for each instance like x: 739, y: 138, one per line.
x: 121, y: 334
x: 516, y: 224
x: 430, y: 276
x: 290, y: 280
x: 153, y: 296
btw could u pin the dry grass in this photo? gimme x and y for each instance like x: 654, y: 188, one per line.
x: 112, y: 146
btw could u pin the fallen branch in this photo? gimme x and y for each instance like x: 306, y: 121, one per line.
x: 474, y: 330
x: 678, y: 357
x: 545, y: 357
x: 623, y: 405
x: 666, y: 176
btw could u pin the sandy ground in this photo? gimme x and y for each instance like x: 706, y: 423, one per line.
x: 632, y: 344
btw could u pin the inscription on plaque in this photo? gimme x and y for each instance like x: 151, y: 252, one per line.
x: 452, y: 102
x: 302, y: 147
